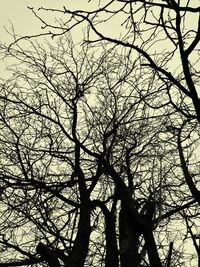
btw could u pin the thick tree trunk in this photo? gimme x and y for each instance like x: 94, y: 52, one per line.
x: 111, y: 244
x: 112, y: 253
x: 48, y: 255
x: 128, y: 240
x: 151, y: 247
x: 80, y: 249
x: 137, y: 222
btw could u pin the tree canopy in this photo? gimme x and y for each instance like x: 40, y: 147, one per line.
x: 99, y: 138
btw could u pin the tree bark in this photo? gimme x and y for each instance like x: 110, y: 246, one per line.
x: 151, y: 247
x: 80, y: 249
x: 48, y: 255
x: 128, y: 240
x: 112, y: 253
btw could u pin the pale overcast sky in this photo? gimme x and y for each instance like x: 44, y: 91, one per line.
x: 24, y: 22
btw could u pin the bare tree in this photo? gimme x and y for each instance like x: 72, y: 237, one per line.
x: 164, y: 33
x: 99, y: 140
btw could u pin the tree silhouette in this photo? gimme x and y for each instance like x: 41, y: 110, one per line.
x: 99, y: 140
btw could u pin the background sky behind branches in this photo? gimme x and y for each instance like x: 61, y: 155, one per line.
x: 15, y: 12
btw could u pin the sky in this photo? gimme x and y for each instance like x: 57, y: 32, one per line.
x: 17, y: 13
x: 24, y: 22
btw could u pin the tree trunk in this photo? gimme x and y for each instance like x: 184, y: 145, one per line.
x: 80, y: 249
x: 152, y: 251
x: 112, y: 253
x: 128, y: 240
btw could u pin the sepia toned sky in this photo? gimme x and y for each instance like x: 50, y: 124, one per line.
x: 24, y: 22
x: 16, y: 12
